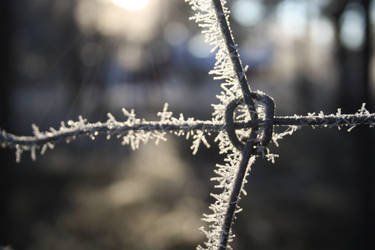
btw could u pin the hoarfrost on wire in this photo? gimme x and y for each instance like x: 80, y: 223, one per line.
x: 206, y: 18
x: 133, y: 132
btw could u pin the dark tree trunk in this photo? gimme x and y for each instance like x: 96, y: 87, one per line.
x: 5, y: 85
x: 365, y: 144
x: 354, y: 76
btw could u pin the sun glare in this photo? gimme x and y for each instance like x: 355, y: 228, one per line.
x: 133, y: 5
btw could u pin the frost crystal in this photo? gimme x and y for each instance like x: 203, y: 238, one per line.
x: 206, y: 18
x: 133, y: 132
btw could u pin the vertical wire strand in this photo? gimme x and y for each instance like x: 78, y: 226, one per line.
x: 235, y: 57
x: 247, y: 152
x: 249, y: 147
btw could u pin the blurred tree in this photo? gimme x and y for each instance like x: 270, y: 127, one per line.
x: 5, y: 86
x: 354, y: 67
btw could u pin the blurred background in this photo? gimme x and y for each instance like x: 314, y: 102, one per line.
x: 61, y: 59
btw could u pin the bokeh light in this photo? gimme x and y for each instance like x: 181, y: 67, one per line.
x: 197, y: 47
x: 90, y: 57
x: 292, y: 17
x: 131, y: 4
x: 109, y: 16
x: 352, y: 26
x: 248, y: 12
x: 321, y: 31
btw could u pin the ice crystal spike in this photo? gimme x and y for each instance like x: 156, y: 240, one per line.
x: 206, y: 17
x: 132, y: 131
x: 213, y: 17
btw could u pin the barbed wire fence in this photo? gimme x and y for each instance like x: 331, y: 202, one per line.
x: 247, y: 121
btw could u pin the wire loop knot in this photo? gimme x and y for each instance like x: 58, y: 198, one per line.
x: 267, y: 124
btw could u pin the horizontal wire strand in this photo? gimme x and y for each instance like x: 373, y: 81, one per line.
x: 347, y: 120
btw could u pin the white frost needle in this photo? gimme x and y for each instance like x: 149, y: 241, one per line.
x: 206, y: 17
x: 134, y: 131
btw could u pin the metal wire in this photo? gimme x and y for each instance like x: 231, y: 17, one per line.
x: 332, y: 120
x: 249, y: 148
